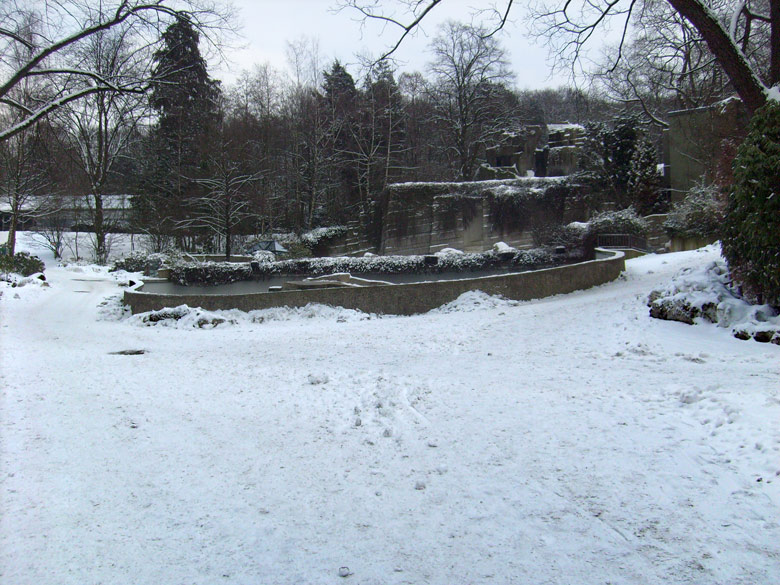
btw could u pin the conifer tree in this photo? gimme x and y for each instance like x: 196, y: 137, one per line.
x: 185, y: 99
x: 643, y: 182
x: 752, y: 228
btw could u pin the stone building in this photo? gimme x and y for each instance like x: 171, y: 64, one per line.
x: 541, y: 151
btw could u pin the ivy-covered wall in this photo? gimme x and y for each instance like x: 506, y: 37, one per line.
x: 423, y: 218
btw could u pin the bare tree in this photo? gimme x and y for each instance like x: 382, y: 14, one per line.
x: 226, y: 204
x: 62, y: 26
x: 100, y: 126
x: 469, y: 69
x: 23, y: 179
x: 569, y: 25
x: 54, y: 220
x: 667, y: 65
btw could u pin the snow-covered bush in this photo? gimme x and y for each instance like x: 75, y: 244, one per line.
x: 210, y: 272
x: 625, y: 221
x: 708, y: 294
x: 182, y: 316
x: 699, y: 215
x: 322, y: 235
x: 20, y: 263
x: 225, y: 272
x: 148, y: 263
x: 447, y: 262
x: 574, y: 236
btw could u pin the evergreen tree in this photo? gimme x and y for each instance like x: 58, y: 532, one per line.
x: 341, y: 100
x: 340, y: 91
x: 608, y: 155
x: 183, y: 94
x: 752, y: 228
x: 643, y: 183
x: 185, y: 99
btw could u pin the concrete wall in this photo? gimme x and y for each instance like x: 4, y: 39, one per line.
x: 678, y: 244
x: 696, y: 143
x: 405, y: 299
x: 424, y: 218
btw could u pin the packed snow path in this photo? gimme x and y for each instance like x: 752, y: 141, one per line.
x: 566, y: 440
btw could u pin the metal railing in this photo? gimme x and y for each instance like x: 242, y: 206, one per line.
x: 622, y: 241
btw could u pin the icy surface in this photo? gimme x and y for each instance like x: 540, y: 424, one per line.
x: 567, y: 440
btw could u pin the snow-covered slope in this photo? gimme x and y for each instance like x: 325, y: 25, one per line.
x: 567, y: 440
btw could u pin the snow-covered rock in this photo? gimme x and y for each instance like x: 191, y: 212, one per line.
x: 706, y: 293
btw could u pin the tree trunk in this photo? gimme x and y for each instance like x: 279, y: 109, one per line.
x: 742, y: 77
x: 100, y: 230
x: 774, y: 43
x: 12, y: 227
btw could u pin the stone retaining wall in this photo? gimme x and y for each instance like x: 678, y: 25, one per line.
x: 404, y: 299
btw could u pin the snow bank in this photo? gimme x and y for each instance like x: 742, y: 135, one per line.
x: 185, y: 317
x: 475, y: 300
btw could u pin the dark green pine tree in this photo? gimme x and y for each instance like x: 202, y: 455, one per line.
x: 643, y: 181
x: 751, y: 243
x: 340, y: 91
x: 185, y: 99
x: 341, y: 104
x: 607, y: 158
x: 381, y: 135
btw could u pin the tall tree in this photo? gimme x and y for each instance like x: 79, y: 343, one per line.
x: 469, y: 69
x: 62, y: 27
x: 22, y: 172
x: 100, y: 126
x: 340, y: 98
x: 379, y: 132
x: 570, y: 25
x: 185, y: 100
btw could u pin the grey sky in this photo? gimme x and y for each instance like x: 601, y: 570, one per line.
x: 267, y: 26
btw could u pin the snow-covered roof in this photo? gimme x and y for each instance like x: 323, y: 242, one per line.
x: 564, y: 127
x: 33, y: 202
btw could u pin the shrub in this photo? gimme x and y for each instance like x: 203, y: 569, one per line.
x: 699, y: 215
x: 224, y: 272
x: 571, y: 236
x: 210, y: 272
x: 751, y: 238
x: 625, y: 221
x: 323, y: 235
x: 141, y: 262
x: 21, y: 263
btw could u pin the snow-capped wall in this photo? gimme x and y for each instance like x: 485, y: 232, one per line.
x: 422, y: 218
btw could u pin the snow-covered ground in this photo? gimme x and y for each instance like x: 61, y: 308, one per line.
x: 567, y: 440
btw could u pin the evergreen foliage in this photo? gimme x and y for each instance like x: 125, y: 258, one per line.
x: 185, y: 99
x: 699, y: 215
x: 751, y: 242
x: 21, y: 263
x: 619, y: 162
x: 183, y: 94
x: 625, y: 221
x: 643, y: 182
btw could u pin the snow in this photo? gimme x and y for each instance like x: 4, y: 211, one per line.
x: 709, y: 289
x: 512, y: 184
x: 567, y: 440
x: 564, y: 127
x: 502, y: 247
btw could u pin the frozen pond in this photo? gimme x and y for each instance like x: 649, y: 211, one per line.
x: 261, y: 284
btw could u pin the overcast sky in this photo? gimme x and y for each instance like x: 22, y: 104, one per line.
x: 267, y: 26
